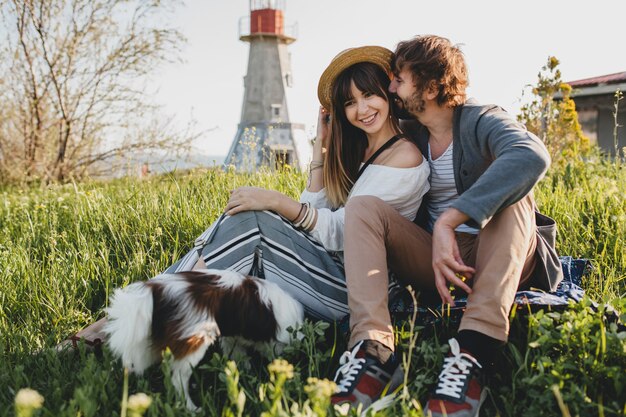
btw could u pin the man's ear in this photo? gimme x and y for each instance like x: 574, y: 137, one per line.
x: 432, y: 90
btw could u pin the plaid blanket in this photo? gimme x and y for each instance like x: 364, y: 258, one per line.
x: 401, y: 303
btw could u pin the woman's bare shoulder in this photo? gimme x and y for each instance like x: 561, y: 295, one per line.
x: 404, y: 154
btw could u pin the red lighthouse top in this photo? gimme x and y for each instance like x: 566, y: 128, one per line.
x: 266, y: 16
x: 267, y: 19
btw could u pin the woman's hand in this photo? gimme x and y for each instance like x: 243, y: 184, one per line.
x: 251, y: 198
x: 323, y: 129
x: 258, y: 199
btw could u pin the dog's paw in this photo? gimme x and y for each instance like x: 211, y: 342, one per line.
x: 235, y: 348
x: 192, y: 407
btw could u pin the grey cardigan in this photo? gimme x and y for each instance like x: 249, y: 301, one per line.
x: 496, y: 163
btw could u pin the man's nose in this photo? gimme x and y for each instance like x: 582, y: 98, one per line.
x: 392, y: 86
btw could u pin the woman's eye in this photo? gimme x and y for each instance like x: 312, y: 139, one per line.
x: 348, y: 103
x: 367, y: 95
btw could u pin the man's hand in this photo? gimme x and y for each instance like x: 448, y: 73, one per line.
x: 447, y: 263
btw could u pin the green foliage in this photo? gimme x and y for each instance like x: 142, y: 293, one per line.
x: 236, y: 397
x: 555, y: 121
x: 64, y: 248
x: 577, y: 352
x: 587, y: 200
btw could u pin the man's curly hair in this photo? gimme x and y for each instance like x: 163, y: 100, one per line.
x: 434, y: 60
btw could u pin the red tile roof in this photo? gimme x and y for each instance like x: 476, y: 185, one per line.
x: 618, y: 77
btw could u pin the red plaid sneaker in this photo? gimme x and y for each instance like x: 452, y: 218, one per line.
x: 458, y: 392
x: 362, y: 381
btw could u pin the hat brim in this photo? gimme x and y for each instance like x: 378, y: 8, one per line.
x: 378, y: 55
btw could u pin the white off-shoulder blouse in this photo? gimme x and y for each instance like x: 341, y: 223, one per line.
x: 402, y: 188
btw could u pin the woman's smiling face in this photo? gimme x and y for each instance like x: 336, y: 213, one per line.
x: 366, y: 110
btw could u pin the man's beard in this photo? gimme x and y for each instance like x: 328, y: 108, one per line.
x: 409, y: 108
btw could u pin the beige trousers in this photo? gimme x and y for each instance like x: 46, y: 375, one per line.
x: 378, y: 238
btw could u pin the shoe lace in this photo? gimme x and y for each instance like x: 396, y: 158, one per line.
x: 456, y: 369
x: 349, y: 369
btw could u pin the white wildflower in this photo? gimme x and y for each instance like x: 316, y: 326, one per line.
x: 27, y: 401
x: 138, y: 404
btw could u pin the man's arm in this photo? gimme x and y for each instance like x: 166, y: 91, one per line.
x: 520, y: 160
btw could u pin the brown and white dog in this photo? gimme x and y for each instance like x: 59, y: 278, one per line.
x: 187, y: 312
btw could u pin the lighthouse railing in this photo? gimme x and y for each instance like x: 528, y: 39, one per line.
x: 267, y: 4
x: 290, y: 31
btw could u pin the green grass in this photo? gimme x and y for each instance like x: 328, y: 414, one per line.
x: 64, y: 248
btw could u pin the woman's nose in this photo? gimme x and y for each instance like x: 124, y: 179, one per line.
x: 362, y: 105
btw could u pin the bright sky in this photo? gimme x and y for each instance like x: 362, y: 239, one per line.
x: 505, y: 45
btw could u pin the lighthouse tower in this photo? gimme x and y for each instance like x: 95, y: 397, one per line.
x: 265, y: 136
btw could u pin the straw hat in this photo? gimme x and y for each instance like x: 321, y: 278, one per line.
x: 375, y: 54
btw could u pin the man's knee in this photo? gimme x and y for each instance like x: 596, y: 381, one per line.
x: 520, y: 213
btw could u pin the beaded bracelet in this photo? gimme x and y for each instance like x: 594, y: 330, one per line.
x: 313, y: 166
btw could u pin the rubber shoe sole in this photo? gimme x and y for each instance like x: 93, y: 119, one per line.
x: 395, y: 385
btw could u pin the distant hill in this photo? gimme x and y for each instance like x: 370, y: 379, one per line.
x: 188, y: 162
x: 158, y: 164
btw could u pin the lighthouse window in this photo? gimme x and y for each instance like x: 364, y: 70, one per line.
x: 275, y: 112
x: 282, y: 158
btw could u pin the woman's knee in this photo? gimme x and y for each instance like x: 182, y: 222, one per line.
x: 365, y: 212
x: 365, y: 205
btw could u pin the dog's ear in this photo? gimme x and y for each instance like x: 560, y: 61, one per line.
x: 246, y: 310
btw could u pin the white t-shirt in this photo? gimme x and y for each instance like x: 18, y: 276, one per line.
x: 442, y: 191
x: 401, y: 188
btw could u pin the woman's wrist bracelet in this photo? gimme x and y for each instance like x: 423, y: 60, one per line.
x: 309, y: 226
x: 315, y: 164
x: 299, y: 213
x: 310, y: 215
x: 299, y: 223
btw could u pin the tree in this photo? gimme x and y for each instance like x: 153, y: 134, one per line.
x: 72, y: 90
x: 552, y: 115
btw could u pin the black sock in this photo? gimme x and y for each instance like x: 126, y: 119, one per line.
x: 377, y: 350
x: 479, y: 345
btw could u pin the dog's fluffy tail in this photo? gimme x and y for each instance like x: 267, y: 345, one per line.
x: 129, y: 326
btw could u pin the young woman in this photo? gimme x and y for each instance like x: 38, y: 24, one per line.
x: 359, y: 150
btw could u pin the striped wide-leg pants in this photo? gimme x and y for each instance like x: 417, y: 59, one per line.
x: 263, y: 244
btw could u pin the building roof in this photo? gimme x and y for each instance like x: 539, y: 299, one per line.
x: 618, y: 77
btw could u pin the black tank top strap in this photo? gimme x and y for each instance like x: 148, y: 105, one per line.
x: 380, y: 150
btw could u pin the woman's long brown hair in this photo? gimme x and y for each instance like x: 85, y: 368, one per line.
x: 347, y: 143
